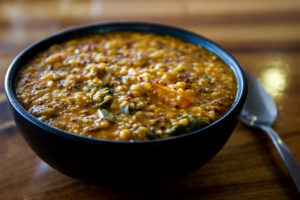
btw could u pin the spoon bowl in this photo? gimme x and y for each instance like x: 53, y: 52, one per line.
x: 254, y: 113
x: 260, y: 111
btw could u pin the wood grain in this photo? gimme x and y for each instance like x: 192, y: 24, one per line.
x: 264, y: 35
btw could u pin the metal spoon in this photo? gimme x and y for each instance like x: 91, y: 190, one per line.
x: 260, y: 112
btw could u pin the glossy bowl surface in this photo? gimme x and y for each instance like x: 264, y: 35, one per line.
x: 107, y: 162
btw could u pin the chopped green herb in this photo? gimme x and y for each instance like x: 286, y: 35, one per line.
x: 98, y: 87
x: 128, y: 110
x: 107, y: 98
x: 152, y: 135
x: 206, y: 90
x: 105, y: 103
x: 107, y: 115
x: 176, y: 130
x: 195, y: 123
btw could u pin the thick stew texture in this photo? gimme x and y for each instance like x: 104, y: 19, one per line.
x: 126, y: 86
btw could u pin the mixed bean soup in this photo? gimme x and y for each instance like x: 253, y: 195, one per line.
x: 126, y: 86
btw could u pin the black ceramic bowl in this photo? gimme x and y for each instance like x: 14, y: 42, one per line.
x: 113, y: 163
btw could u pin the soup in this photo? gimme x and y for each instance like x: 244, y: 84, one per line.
x: 126, y: 86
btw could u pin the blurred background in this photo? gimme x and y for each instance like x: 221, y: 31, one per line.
x: 264, y: 35
x: 265, y: 26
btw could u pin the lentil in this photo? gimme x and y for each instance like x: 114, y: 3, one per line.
x: 126, y: 86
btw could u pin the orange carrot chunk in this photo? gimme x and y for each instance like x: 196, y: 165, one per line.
x: 181, y: 98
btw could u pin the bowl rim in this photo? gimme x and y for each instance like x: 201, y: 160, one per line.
x: 104, y: 27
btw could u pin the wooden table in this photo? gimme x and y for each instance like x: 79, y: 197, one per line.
x: 263, y: 35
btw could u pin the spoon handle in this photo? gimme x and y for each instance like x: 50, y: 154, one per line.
x: 289, y: 160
